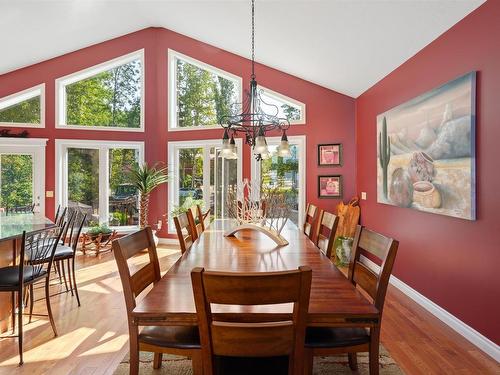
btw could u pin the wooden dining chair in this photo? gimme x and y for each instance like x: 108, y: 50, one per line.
x: 325, y: 232
x: 321, y: 341
x: 309, y: 220
x: 178, y: 340
x: 202, y: 216
x: 260, y: 336
x: 186, y: 230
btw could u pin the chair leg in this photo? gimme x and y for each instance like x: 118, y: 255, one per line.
x: 49, y: 309
x: 32, y: 301
x: 74, y: 280
x: 374, y: 350
x: 68, y: 266
x: 157, y: 360
x: 20, y: 323
x: 13, y: 305
x: 353, y: 361
x: 134, y: 350
x: 58, y: 271
x: 197, y: 363
x: 61, y: 265
x: 308, y: 361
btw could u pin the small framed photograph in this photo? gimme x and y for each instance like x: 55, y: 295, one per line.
x: 330, y: 186
x: 330, y: 155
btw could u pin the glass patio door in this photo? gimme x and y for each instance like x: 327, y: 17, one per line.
x: 285, y: 173
x: 225, y: 172
x: 22, y: 174
x: 201, y: 174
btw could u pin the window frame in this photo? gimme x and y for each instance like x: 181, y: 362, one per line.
x: 173, y: 166
x: 172, y: 55
x: 61, y: 187
x: 284, y: 98
x: 23, y: 96
x: 62, y: 82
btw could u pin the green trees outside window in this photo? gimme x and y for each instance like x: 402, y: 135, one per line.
x: 111, y: 98
x: 26, y: 112
x: 283, y: 173
x: 16, y: 180
x: 202, y: 96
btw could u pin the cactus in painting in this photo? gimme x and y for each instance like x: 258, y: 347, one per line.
x: 384, y: 154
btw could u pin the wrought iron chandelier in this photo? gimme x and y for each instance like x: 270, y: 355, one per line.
x: 251, y: 119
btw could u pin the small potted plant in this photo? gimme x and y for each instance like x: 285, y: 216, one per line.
x: 96, y: 229
x: 147, y: 178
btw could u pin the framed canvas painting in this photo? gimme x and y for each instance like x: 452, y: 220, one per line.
x: 330, y: 154
x: 426, y: 151
x: 330, y: 186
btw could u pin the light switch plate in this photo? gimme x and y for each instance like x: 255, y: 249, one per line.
x: 49, y: 194
x: 363, y: 195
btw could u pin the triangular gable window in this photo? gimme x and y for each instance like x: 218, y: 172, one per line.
x: 108, y: 96
x: 289, y: 108
x: 23, y: 109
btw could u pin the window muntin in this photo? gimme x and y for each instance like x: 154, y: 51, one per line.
x: 109, y: 96
x: 199, y: 93
x: 23, y: 109
x: 289, y: 108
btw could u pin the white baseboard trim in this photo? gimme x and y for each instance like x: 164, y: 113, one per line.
x: 168, y: 241
x: 482, y: 342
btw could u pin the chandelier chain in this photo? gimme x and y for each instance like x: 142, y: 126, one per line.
x: 253, y: 39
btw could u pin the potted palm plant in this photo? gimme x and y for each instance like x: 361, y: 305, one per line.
x: 147, y: 178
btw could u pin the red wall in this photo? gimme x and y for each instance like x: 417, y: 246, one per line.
x: 453, y: 262
x: 330, y: 115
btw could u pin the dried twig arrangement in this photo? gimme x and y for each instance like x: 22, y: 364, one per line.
x: 266, y: 211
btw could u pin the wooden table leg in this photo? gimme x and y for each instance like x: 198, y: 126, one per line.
x: 8, y: 255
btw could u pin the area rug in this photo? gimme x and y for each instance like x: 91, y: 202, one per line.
x: 175, y: 365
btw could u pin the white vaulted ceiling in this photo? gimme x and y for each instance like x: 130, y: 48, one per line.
x: 344, y: 45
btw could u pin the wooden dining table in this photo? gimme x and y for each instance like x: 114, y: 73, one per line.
x: 334, y: 301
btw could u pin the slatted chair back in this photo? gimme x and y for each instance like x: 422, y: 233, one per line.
x: 68, y: 227
x: 135, y: 280
x: 309, y: 220
x: 383, y: 248
x: 61, y: 218
x: 57, y: 213
x: 325, y: 232
x: 200, y: 227
x: 76, y: 231
x: 186, y: 230
x: 259, y: 337
x: 194, y: 215
x: 37, y: 252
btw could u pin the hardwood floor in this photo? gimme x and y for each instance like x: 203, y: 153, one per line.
x: 93, y: 338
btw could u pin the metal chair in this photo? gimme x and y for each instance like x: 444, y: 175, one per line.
x: 35, y: 263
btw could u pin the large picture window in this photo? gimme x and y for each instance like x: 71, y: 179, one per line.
x: 200, y: 175
x: 93, y: 178
x: 24, y: 109
x: 199, y: 93
x: 108, y: 96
